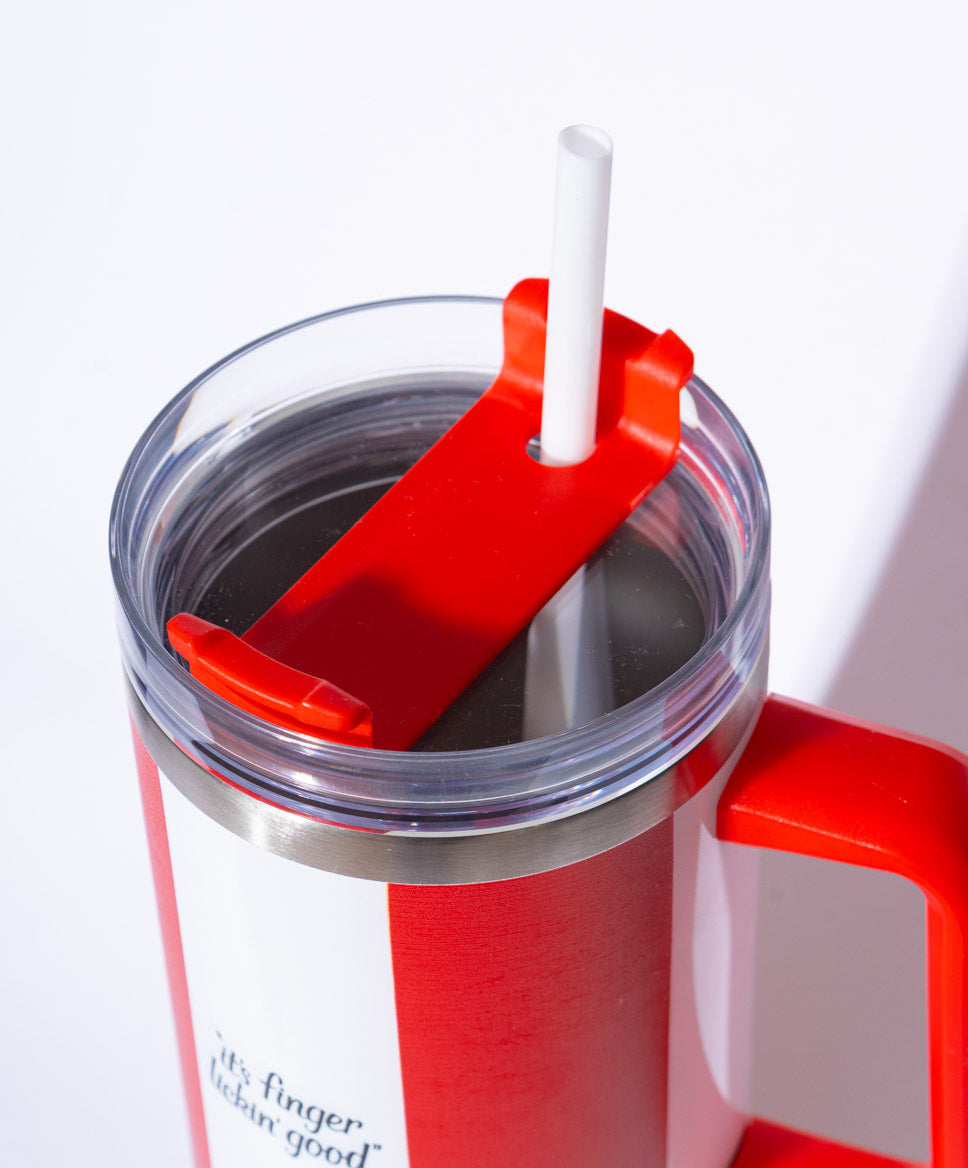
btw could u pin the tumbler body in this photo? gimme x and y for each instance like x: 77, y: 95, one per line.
x: 535, y: 951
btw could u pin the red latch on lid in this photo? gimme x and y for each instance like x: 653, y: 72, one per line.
x: 456, y: 558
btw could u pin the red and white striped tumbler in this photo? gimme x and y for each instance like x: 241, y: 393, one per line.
x: 490, y: 951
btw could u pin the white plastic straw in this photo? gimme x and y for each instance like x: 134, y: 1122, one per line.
x: 573, y: 349
x: 568, y: 676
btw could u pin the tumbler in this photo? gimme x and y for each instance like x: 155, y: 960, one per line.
x: 490, y: 949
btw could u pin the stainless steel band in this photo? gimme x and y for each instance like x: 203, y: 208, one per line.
x: 399, y: 858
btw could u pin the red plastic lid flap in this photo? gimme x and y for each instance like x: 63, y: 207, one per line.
x: 456, y: 558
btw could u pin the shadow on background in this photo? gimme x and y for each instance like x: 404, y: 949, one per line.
x: 908, y: 664
x: 840, y: 1028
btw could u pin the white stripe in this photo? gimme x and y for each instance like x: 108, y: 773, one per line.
x: 291, y: 987
x: 713, y: 909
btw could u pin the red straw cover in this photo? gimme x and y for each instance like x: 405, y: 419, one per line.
x: 380, y: 636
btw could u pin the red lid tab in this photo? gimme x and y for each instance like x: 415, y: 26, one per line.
x: 254, y: 682
x: 456, y: 558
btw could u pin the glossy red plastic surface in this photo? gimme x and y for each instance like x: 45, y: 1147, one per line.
x: 455, y: 559
x: 821, y: 784
x: 768, y: 1146
x: 235, y: 670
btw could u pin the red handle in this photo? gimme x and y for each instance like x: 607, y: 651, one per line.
x: 829, y: 786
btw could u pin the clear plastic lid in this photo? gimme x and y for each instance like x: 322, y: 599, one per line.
x: 311, y: 422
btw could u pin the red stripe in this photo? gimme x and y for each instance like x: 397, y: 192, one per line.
x: 533, y: 1013
x: 171, y: 937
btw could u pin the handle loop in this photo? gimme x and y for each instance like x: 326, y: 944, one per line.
x: 824, y: 785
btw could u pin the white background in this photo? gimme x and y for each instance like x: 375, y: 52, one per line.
x: 790, y: 194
